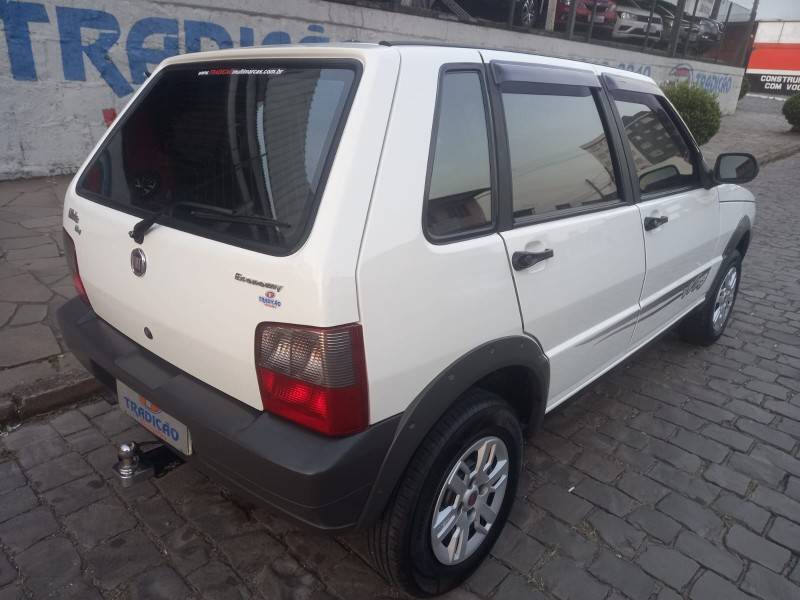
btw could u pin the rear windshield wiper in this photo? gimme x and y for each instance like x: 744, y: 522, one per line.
x: 237, y: 218
x: 142, y: 227
x: 206, y: 212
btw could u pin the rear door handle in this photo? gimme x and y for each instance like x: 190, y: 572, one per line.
x: 651, y: 223
x: 524, y: 260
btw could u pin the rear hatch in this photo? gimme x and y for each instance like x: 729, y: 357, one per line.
x: 249, y: 160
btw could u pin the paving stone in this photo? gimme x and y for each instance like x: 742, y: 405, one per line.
x: 777, y: 457
x: 683, y: 482
x: 709, y: 555
x: 29, y: 313
x: 22, y: 531
x: 8, y: 572
x: 757, y: 549
x: 24, y: 288
x: 515, y: 587
x: 95, y: 409
x: 517, y: 549
x: 69, y: 422
x: 728, y: 479
x: 729, y: 437
x: 751, y: 515
x: 746, y: 409
x: 622, y: 537
x: 786, y: 533
x: 561, y: 503
x: 667, y: 565
x: 6, y: 310
x: 87, y: 440
x: 606, y: 497
x: 28, y: 433
x: 765, y: 584
x: 161, y: 583
x: 102, y: 460
x: 117, y: 560
x: 641, y: 488
x: 598, y: 466
x: 353, y: 579
x: 567, y: 581
x: 767, y: 434
x: 11, y: 476
x: 217, y: 580
x: 25, y: 344
x: 112, y: 422
x: 16, y: 502
x: 777, y: 503
x: 42, y: 451
x: 12, y: 592
x: 756, y: 468
x: 623, y: 575
x: 556, y: 446
x: 655, y: 523
x: 710, y: 412
x: 488, y: 576
x: 158, y: 515
x: 713, y: 587
x: 567, y: 541
x: 697, y: 518
x: 76, y: 494
x: 58, y: 472
x: 186, y: 550
x: 675, y: 456
x: 700, y: 445
x: 99, y: 521
x: 49, y: 567
x: 624, y: 434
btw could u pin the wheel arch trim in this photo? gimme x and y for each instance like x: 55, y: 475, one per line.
x: 444, y: 391
x: 742, y: 229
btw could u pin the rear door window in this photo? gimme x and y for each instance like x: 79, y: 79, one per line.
x: 240, y: 153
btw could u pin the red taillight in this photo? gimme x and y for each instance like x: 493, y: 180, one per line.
x: 72, y: 261
x: 314, y: 377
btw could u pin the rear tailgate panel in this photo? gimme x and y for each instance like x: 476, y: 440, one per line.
x: 195, y: 298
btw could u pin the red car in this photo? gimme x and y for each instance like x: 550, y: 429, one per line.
x: 604, y: 14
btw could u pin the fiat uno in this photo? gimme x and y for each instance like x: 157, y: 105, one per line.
x: 343, y: 280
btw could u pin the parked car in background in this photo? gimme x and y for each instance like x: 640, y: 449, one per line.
x: 705, y: 33
x: 636, y: 23
x: 604, y: 12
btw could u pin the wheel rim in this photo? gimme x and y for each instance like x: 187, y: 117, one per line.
x: 528, y: 13
x: 723, y: 303
x: 469, y: 501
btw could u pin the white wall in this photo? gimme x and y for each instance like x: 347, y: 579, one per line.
x: 63, y: 62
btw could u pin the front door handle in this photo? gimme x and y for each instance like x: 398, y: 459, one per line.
x: 651, y: 223
x: 524, y: 260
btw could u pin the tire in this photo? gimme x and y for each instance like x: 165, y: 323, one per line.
x: 401, y: 544
x: 705, y: 326
x: 529, y: 13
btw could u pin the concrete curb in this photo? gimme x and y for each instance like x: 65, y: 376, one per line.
x: 46, y: 395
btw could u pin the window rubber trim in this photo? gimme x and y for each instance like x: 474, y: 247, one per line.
x: 491, y: 227
x: 321, y: 63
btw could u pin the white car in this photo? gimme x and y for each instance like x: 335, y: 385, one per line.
x: 344, y: 279
x: 635, y: 23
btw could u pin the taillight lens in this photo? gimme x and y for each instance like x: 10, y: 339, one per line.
x: 72, y: 261
x: 314, y: 377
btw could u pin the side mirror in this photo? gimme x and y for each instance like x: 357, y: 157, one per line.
x: 735, y: 167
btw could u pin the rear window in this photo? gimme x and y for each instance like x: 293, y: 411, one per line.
x: 235, y: 153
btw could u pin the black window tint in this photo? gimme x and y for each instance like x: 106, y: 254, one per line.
x: 248, y: 141
x: 460, y: 188
x: 662, y: 157
x: 560, y: 155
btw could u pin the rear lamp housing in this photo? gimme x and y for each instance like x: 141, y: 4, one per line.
x: 72, y: 262
x: 313, y: 376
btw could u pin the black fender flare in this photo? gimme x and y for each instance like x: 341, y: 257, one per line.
x: 441, y: 393
x: 742, y: 229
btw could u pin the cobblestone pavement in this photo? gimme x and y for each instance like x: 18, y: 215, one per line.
x: 675, y: 475
x: 34, y: 279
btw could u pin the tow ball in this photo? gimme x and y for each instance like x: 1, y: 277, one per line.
x: 135, y: 465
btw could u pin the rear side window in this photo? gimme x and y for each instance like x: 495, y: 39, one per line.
x: 459, y: 199
x: 559, y: 151
x: 239, y: 146
x: 662, y: 157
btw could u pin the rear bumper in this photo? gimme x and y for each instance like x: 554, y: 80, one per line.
x: 324, y: 482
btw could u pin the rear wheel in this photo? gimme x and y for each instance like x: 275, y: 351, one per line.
x: 707, y: 324
x: 454, y: 498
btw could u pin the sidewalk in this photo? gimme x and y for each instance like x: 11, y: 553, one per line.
x: 37, y: 372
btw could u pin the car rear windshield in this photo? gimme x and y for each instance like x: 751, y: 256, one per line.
x: 237, y: 153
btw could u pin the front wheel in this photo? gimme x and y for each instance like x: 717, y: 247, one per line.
x: 454, y: 498
x: 706, y: 325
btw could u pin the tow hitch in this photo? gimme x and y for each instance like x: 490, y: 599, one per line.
x: 134, y: 464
